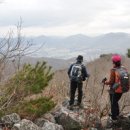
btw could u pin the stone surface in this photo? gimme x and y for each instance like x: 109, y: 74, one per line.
x: 106, y: 122
x: 77, y: 118
x: 25, y: 125
x: 68, y: 119
x: 51, y: 126
x: 11, y: 119
x: 40, y: 122
x: 49, y: 117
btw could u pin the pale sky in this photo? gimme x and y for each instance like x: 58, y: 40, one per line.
x: 65, y: 17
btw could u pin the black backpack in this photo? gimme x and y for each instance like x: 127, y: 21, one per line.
x: 76, y: 73
x: 124, y: 79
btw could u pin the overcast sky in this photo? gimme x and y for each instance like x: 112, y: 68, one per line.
x: 66, y: 17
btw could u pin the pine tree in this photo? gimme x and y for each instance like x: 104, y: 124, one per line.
x: 29, y: 80
x: 36, y: 78
x: 128, y: 54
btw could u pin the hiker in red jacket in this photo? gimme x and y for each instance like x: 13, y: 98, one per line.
x: 116, y: 83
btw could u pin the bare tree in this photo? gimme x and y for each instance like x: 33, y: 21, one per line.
x: 13, y: 49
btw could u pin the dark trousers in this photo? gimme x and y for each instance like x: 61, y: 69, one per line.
x: 114, y: 98
x: 73, y: 87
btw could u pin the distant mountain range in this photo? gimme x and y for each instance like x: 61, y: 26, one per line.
x: 56, y: 64
x: 89, y: 47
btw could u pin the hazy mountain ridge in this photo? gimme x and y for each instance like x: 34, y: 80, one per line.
x: 90, y: 47
x: 56, y: 64
x: 71, y: 46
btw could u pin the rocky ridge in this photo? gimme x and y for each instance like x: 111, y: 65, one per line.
x: 61, y: 118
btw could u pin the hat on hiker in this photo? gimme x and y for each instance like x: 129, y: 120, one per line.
x: 116, y: 58
x: 80, y: 58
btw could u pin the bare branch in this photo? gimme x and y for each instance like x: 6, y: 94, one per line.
x: 13, y: 48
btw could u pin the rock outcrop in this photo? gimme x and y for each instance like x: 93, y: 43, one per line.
x: 77, y: 119
x: 64, y: 119
x: 25, y: 125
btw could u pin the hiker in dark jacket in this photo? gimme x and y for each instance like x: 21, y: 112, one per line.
x: 77, y: 74
x: 115, y: 92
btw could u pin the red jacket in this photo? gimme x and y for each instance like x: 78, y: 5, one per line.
x: 114, y: 78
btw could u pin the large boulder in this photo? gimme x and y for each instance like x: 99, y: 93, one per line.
x: 25, y: 125
x: 46, y: 117
x: 77, y: 119
x: 11, y: 119
x: 51, y: 126
x: 67, y: 119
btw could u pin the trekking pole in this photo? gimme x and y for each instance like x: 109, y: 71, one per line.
x: 86, y: 83
x: 86, y: 86
x: 102, y: 89
x: 68, y: 91
x: 103, y: 81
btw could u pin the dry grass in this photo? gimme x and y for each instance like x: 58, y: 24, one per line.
x: 98, y: 69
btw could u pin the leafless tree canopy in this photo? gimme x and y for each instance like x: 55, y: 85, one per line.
x: 12, y: 48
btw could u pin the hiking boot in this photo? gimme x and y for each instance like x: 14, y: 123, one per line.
x: 114, y: 121
x: 80, y: 105
x: 109, y: 123
x: 117, y: 123
x: 71, y: 107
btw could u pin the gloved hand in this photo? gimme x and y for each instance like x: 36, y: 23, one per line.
x: 104, y: 80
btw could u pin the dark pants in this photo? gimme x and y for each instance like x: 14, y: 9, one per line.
x: 114, y: 98
x: 73, y: 87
